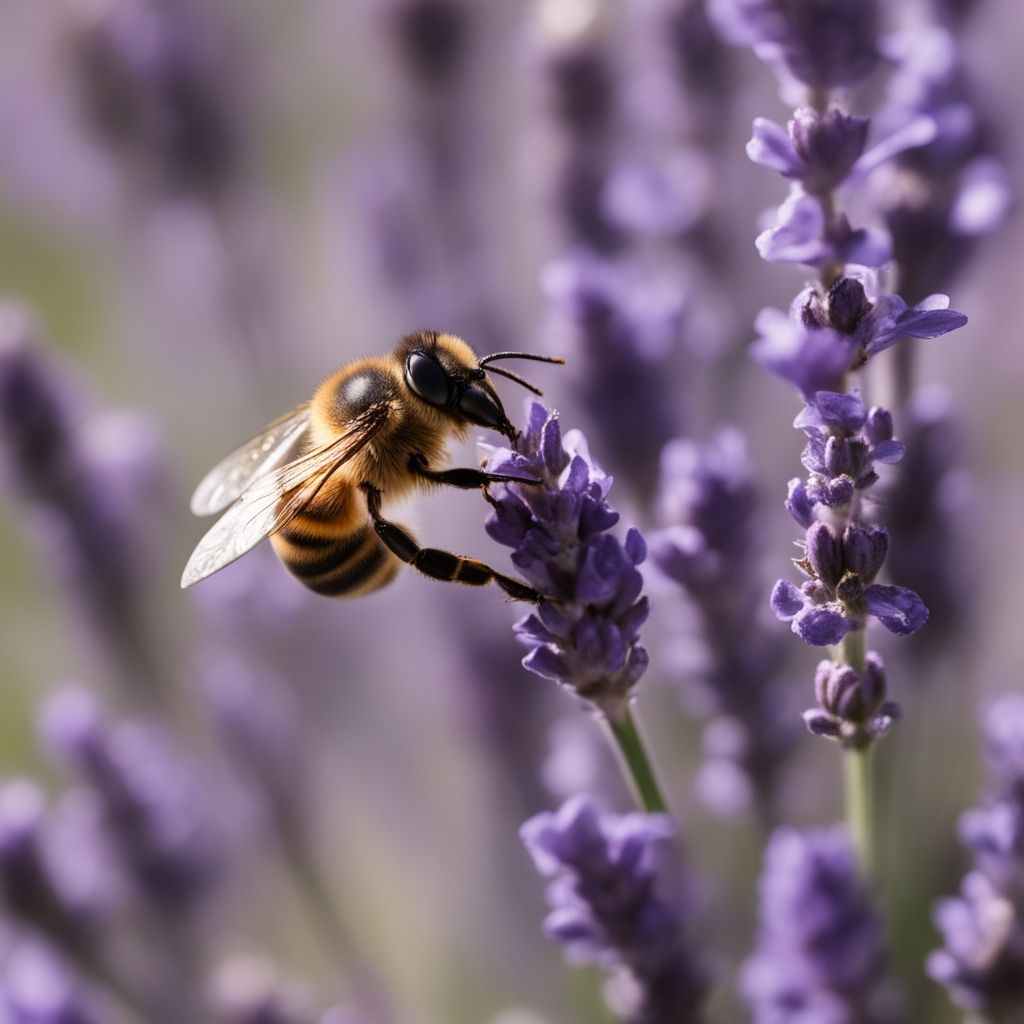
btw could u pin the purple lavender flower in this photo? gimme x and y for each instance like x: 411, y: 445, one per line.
x: 621, y: 330
x: 823, y: 45
x: 926, y: 505
x: 585, y: 633
x: 941, y: 196
x: 820, y: 952
x: 153, y: 85
x: 1004, y: 745
x: 709, y: 496
x: 982, y: 963
x: 34, y: 989
x: 261, y: 730
x: 431, y: 36
x: 246, y: 990
x: 842, y: 557
x: 31, y: 890
x: 155, y: 817
x: 80, y: 495
x: 607, y: 906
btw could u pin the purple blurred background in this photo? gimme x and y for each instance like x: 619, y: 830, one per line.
x: 205, y: 208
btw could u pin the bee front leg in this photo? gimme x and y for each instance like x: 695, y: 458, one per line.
x: 439, y: 564
x: 463, y: 479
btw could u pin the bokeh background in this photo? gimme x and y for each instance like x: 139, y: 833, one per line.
x: 205, y: 207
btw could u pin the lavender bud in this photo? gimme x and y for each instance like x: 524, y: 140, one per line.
x: 852, y: 703
x: 847, y: 304
x: 829, y: 145
x: 864, y: 550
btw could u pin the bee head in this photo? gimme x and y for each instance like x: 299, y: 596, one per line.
x: 443, y: 371
x: 435, y: 375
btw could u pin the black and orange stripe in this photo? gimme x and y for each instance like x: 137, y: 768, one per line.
x: 335, y: 557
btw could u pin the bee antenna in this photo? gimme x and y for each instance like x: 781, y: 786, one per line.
x: 519, y: 380
x: 515, y: 376
x: 520, y: 355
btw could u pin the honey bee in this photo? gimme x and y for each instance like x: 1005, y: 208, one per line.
x: 315, y: 480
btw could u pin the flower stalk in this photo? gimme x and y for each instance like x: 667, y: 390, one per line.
x: 636, y: 764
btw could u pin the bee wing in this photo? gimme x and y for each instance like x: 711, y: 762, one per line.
x: 276, y: 444
x: 273, y: 499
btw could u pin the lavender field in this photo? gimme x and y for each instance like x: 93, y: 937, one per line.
x: 736, y: 734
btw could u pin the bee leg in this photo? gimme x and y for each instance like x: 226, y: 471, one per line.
x: 439, y: 564
x: 464, y: 479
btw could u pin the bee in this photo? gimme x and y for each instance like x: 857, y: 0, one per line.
x: 315, y: 480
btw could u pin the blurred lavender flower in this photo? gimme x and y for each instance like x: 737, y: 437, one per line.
x: 820, y: 954
x: 31, y: 889
x: 34, y: 989
x: 625, y: 194
x: 83, y: 493
x: 709, y: 499
x: 152, y: 81
x: 622, y: 330
x: 824, y: 46
x: 982, y: 963
x: 943, y: 195
x: 609, y: 906
x: 585, y: 633
x: 925, y: 506
x: 157, y: 818
x: 427, y: 194
x: 262, y: 731
x: 246, y: 990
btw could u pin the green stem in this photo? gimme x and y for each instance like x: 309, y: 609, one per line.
x: 855, y: 650
x: 635, y: 763
x: 857, y: 770
x: 860, y: 807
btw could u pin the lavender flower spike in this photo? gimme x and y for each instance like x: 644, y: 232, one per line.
x: 981, y: 965
x: 820, y: 955
x: 607, y: 908
x: 585, y: 633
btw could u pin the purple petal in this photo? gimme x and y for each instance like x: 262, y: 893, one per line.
x: 546, y: 662
x: 786, y: 600
x: 900, y: 610
x: 771, y: 147
x: 799, y: 503
x: 839, y: 411
x: 821, y: 625
x: 888, y: 452
x: 636, y: 546
x: 798, y: 237
x: 812, y: 359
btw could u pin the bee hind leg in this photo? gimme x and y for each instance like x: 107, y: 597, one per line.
x: 437, y: 563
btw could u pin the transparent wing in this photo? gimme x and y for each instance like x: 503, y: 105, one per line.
x: 273, y: 499
x: 278, y: 443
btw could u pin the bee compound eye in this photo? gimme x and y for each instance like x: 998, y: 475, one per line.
x: 427, y: 378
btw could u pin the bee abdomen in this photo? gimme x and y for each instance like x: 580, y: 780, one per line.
x: 356, y: 563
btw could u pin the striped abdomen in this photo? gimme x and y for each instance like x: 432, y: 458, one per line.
x: 338, y: 555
